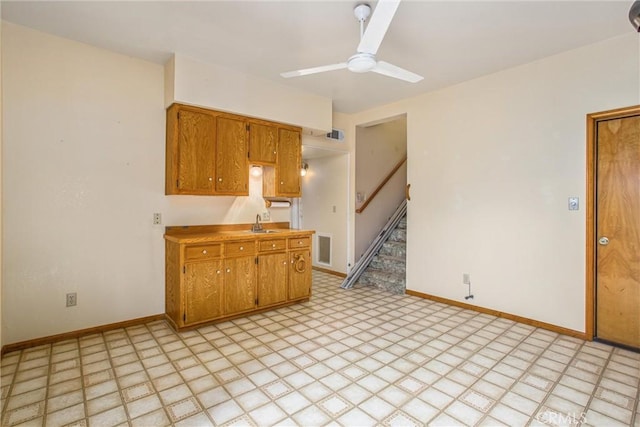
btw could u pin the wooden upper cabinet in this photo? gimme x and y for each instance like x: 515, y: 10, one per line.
x: 289, y: 162
x: 263, y: 140
x: 209, y: 153
x: 191, y: 144
x: 232, y: 169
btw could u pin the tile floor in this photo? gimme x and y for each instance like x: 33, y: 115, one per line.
x: 353, y: 358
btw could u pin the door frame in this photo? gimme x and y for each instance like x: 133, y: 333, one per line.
x: 592, y: 158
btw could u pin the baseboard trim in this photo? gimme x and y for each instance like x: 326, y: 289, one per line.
x: 79, y: 333
x: 326, y: 270
x: 515, y: 318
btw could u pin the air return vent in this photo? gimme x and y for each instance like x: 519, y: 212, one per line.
x: 324, y: 249
x: 336, y: 135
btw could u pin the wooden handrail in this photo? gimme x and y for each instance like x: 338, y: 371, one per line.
x: 382, y: 184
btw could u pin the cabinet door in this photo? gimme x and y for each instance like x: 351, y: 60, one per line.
x: 232, y: 169
x: 272, y: 279
x: 299, y: 274
x: 195, y: 157
x: 262, y: 143
x: 203, y: 291
x: 289, y: 162
x: 240, y: 284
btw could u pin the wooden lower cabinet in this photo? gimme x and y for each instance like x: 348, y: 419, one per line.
x: 300, y: 274
x: 239, y: 285
x: 272, y: 279
x: 203, y: 283
x: 209, y: 281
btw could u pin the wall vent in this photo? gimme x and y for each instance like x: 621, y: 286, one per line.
x: 336, y: 135
x: 324, y: 249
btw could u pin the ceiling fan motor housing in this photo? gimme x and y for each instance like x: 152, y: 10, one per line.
x: 361, y: 62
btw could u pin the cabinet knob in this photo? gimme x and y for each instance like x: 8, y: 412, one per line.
x: 204, y: 251
x: 219, y: 179
x: 210, y: 179
x: 217, y: 271
x: 285, y: 262
x: 242, y: 248
x: 299, y: 242
x: 228, y: 270
x: 274, y: 152
x: 273, y: 246
x: 281, y: 182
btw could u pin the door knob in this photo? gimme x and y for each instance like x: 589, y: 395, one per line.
x: 604, y: 241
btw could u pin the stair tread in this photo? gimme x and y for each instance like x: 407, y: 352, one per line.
x: 383, y: 274
x: 392, y: 258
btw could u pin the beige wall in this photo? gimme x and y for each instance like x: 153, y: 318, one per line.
x: 324, y: 205
x: 83, y: 165
x: 491, y: 164
x: 213, y: 86
x: 2, y: 326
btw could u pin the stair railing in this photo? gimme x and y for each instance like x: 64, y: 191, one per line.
x: 382, y: 184
x: 373, y: 249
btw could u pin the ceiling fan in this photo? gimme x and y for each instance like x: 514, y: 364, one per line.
x: 370, y: 39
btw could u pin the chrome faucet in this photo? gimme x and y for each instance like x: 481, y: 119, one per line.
x: 257, y: 226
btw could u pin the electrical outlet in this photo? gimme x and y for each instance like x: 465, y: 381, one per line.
x: 466, y: 278
x: 266, y: 216
x: 72, y: 299
x: 157, y: 219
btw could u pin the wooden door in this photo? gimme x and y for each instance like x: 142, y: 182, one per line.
x: 618, y: 230
x: 272, y: 279
x: 232, y: 169
x: 195, y: 151
x: 240, y: 284
x: 262, y: 143
x: 289, y: 163
x: 203, y: 291
x: 299, y: 274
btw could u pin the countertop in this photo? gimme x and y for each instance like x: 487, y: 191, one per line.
x: 224, y: 232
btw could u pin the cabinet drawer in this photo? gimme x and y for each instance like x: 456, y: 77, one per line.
x: 195, y: 252
x: 299, y: 242
x: 240, y: 248
x: 272, y: 245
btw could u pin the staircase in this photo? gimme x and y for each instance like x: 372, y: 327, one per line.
x: 387, y: 269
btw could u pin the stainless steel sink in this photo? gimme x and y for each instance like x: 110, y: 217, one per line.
x: 263, y: 231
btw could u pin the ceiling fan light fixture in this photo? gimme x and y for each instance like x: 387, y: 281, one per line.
x: 361, y: 63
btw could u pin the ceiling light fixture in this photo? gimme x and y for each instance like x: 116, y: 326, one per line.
x: 303, y: 169
x: 634, y: 15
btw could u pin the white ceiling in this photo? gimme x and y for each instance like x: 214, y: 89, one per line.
x: 445, y: 41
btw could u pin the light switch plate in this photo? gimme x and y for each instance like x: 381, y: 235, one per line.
x: 574, y: 203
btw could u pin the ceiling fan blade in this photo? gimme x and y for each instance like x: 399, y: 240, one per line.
x: 314, y: 70
x: 391, y: 70
x: 378, y: 25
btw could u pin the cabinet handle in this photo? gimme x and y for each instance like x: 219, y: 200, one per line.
x: 204, y: 251
x: 300, y: 264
